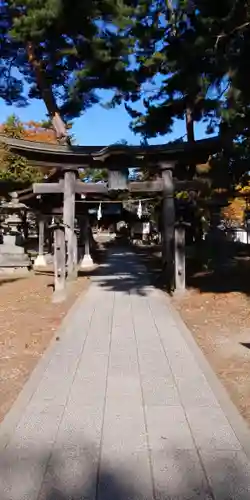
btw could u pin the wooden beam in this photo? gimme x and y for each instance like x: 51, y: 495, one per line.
x: 91, y: 188
x: 48, y: 188
x: 146, y: 186
x: 191, y: 185
x: 94, y: 188
x: 54, y: 164
x: 133, y: 187
x: 80, y: 188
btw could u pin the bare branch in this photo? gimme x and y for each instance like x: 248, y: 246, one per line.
x: 237, y: 28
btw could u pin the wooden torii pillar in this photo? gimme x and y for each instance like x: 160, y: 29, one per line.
x: 168, y: 224
x: 180, y: 257
x: 69, y: 222
x: 59, y: 294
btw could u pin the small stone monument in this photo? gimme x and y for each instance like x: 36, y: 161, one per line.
x: 12, y: 255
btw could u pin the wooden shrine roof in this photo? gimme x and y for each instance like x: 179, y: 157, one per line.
x: 59, y: 156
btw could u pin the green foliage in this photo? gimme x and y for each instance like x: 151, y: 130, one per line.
x: 11, y: 85
x: 13, y: 127
x: 175, y: 55
x: 94, y: 174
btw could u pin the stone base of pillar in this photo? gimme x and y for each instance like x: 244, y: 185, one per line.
x: 87, y: 262
x: 179, y: 292
x: 59, y: 296
x: 40, y: 261
x: 73, y: 275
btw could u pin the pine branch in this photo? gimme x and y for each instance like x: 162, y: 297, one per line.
x: 230, y: 33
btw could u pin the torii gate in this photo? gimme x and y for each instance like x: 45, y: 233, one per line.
x: 69, y: 186
x: 116, y: 159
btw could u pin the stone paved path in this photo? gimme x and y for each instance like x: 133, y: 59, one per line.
x: 119, y: 408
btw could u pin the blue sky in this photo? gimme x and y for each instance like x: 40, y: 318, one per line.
x: 97, y: 126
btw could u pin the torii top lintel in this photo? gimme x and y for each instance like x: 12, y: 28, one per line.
x: 43, y: 154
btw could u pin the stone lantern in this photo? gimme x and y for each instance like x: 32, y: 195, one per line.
x: 12, y: 255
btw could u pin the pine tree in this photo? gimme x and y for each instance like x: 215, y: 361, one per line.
x: 11, y: 86
x: 228, y: 24
x: 67, y: 49
x: 186, y: 59
x: 176, y: 68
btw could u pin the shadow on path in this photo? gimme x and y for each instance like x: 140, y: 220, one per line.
x: 75, y: 475
x: 78, y: 463
x: 127, y: 275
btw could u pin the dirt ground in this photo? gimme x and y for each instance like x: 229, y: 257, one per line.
x: 28, y: 321
x: 220, y: 324
x: 216, y: 309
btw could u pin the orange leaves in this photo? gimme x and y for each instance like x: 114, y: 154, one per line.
x: 235, y: 211
x: 35, y: 131
x: 14, y: 168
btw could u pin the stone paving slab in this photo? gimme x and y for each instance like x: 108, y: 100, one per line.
x: 122, y: 408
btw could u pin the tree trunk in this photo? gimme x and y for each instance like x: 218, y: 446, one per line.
x: 47, y: 94
x: 190, y: 137
x: 190, y: 125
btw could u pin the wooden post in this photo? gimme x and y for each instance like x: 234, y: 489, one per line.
x: 69, y: 221
x: 75, y: 254
x: 168, y: 221
x: 40, y: 260
x: 81, y: 223
x: 180, y: 258
x: 87, y: 261
x: 59, y: 265
x: 50, y: 237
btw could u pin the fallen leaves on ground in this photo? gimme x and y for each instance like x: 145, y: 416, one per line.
x: 28, y: 322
